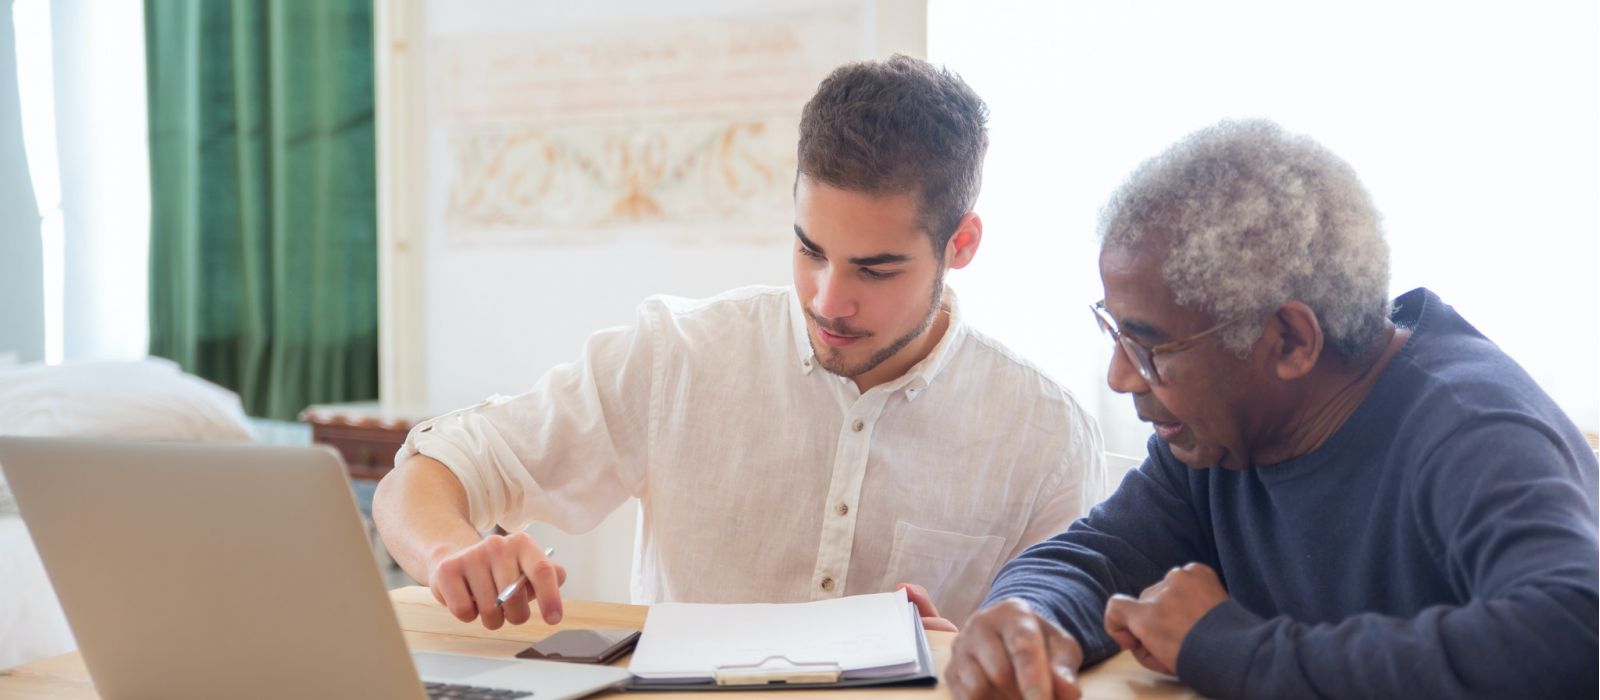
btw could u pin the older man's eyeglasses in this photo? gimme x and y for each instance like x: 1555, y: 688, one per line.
x: 1143, y: 357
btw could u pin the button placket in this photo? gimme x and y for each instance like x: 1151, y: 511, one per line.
x: 831, y: 574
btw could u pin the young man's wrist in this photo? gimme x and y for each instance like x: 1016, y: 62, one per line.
x: 442, y: 550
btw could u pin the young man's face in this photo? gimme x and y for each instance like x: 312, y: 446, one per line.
x: 868, y: 279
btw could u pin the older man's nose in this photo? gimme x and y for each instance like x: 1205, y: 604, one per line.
x: 1124, y: 376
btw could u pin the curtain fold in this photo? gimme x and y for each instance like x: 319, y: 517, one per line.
x: 263, y: 188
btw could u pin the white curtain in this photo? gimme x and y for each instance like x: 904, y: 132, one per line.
x: 21, y: 279
x: 81, y: 85
x: 1474, y: 125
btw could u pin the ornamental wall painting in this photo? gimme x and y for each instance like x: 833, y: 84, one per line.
x: 682, y: 130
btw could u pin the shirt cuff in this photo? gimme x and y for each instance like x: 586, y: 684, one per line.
x: 1215, y: 656
x: 425, y: 441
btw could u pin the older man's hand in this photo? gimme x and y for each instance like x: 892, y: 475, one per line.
x: 1008, y: 651
x: 1153, y: 627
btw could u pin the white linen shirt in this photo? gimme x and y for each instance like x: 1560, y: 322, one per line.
x: 765, y: 478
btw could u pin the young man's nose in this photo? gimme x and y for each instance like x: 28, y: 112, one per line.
x: 834, y: 299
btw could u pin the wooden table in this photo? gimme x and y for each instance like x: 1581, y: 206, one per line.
x: 428, y: 626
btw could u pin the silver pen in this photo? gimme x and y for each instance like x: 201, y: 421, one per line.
x: 521, y: 581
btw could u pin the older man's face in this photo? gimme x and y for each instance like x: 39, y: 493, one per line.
x: 1206, y: 402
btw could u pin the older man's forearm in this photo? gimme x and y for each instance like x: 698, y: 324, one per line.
x: 1536, y: 642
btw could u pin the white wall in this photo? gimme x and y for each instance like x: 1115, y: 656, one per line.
x: 1473, y: 125
x: 498, y: 316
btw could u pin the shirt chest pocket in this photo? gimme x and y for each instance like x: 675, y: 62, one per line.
x: 955, y: 568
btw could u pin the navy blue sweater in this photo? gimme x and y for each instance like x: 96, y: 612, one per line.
x: 1442, y: 543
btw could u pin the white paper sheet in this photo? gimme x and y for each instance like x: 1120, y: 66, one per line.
x: 865, y: 636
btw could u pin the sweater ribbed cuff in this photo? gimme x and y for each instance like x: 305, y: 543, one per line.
x: 1215, y: 656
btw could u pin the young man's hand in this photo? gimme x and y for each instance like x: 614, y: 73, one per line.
x: 1009, y: 651
x: 924, y: 602
x: 467, y: 581
x: 1153, y: 627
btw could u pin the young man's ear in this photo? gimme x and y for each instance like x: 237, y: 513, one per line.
x: 964, y: 242
x: 1299, y: 340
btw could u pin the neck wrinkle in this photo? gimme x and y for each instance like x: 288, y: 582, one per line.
x: 1321, y: 422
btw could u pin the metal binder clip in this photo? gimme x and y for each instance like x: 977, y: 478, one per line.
x: 778, y: 670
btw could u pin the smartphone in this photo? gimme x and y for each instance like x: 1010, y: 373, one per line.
x: 583, y: 646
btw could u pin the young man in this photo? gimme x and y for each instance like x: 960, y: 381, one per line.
x: 1345, y: 497
x: 843, y: 436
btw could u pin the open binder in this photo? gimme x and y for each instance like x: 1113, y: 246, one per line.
x: 856, y: 641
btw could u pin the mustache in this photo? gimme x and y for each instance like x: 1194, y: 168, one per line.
x: 1150, y: 409
x: 835, y: 327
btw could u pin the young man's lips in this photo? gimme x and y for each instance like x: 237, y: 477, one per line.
x: 834, y: 340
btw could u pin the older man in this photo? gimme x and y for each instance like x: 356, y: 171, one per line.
x: 1399, y: 511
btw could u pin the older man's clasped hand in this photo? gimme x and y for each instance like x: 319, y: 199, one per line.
x: 1008, y: 650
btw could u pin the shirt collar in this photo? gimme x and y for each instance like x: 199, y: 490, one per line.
x: 915, y: 379
x: 923, y: 373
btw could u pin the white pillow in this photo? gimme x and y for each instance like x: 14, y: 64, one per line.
x: 150, y: 399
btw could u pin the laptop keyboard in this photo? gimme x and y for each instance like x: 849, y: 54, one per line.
x: 450, y: 691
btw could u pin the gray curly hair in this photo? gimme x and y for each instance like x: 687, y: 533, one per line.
x: 1252, y: 217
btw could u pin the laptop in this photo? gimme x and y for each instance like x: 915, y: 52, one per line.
x: 235, y: 571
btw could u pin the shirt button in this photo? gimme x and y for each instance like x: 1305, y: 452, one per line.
x: 843, y: 509
x: 827, y: 583
x: 858, y: 425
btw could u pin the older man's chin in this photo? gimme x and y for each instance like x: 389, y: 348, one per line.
x: 1198, y: 456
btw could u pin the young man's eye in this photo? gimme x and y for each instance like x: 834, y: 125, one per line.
x: 814, y: 255
x: 876, y: 275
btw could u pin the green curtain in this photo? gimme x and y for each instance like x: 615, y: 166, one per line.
x: 263, y: 197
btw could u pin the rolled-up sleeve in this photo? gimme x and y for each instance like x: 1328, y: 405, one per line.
x: 567, y: 452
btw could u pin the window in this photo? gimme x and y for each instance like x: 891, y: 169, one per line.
x: 1472, y: 125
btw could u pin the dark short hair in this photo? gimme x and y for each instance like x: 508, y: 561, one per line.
x: 901, y: 125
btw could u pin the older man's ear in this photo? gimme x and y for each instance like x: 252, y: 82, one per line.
x: 1296, y: 338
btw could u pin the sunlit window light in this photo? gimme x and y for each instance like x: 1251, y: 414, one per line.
x: 36, y: 95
